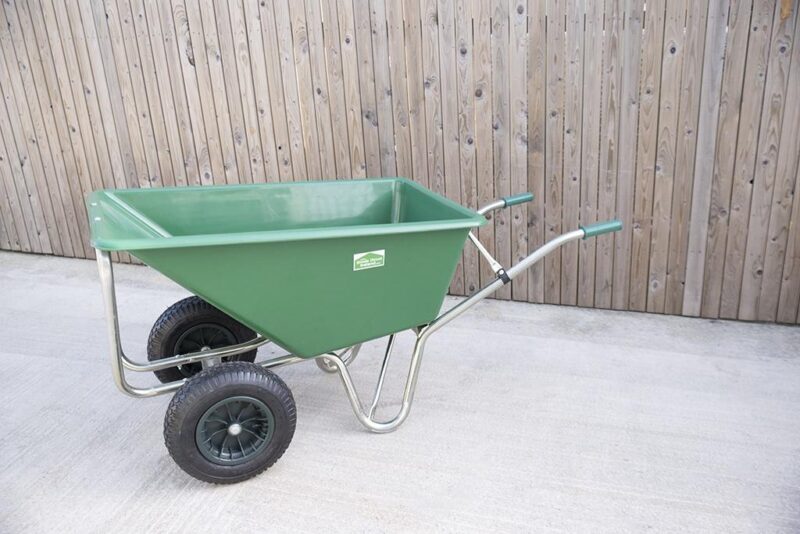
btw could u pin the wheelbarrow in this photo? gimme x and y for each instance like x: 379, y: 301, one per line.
x: 315, y: 268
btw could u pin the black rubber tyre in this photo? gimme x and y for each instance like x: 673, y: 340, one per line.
x: 189, y: 319
x: 237, y: 382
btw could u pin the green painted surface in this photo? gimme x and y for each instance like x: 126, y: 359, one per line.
x: 604, y: 227
x: 314, y: 266
x: 520, y: 198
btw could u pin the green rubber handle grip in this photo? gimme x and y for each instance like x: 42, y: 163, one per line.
x: 518, y: 199
x: 601, y: 228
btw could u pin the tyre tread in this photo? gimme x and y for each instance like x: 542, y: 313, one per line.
x: 172, y: 318
x: 211, y: 379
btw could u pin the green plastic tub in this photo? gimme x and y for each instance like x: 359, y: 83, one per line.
x: 313, y: 266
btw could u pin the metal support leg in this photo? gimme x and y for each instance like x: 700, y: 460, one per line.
x: 384, y: 365
x: 366, y: 418
x: 120, y: 362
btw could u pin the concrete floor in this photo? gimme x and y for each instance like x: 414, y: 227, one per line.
x: 527, y: 418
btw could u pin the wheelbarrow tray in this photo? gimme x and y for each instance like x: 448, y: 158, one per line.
x: 313, y: 266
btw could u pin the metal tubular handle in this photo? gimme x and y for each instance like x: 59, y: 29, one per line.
x: 505, y: 202
x: 496, y: 205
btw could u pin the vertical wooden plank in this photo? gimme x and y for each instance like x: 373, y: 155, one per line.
x: 257, y: 94
x: 483, y: 127
x: 554, y: 150
x: 239, y: 86
x: 225, y: 92
x: 41, y: 128
x: 99, y: 147
x: 753, y: 95
x: 305, y: 85
x: 123, y: 112
x: 27, y: 151
x: 19, y: 206
x: 501, y: 124
x: 433, y: 93
x: 783, y: 196
x: 235, y: 50
x: 447, y: 72
x: 94, y: 87
x: 151, y: 122
x: 9, y: 204
x: 169, y: 78
x: 329, y: 87
x: 398, y: 91
x: 767, y: 157
x: 280, y: 102
x: 383, y: 88
x: 518, y: 60
x: 169, y: 149
x: 789, y: 300
x: 626, y: 164
x: 235, y: 47
x: 685, y: 155
x: 115, y: 116
x: 7, y: 237
x: 710, y: 88
x: 30, y: 70
x: 536, y: 81
x: 74, y: 79
x: 671, y: 68
x: 24, y: 128
x: 103, y: 141
x: 367, y: 87
x: 416, y: 90
x: 46, y: 47
x: 593, y: 41
x: 97, y: 92
x: 8, y: 240
x: 466, y: 130
x: 352, y: 89
x: 647, y: 135
x: 283, y: 28
x: 609, y: 149
x: 110, y: 133
x: 731, y: 95
x: 573, y: 114
x: 28, y: 202
x: 182, y: 58
x: 134, y: 95
x: 5, y: 241
x: 336, y: 82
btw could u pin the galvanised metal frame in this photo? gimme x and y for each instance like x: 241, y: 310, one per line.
x: 120, y: 362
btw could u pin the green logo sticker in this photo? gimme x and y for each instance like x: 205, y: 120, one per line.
x: 368, y: 260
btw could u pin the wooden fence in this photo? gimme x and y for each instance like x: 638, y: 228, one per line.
x: 680, y: 117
